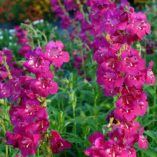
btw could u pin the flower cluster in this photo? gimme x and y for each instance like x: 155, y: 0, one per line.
x: 8, y: 70
x: 121, y: 69
x: 122, y: 72
x: 29, y: 120
x: 22, y: 40
x: 27, y: 89
x: 72, y: 15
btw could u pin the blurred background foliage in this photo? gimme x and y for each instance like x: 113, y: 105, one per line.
x: 17, y: 11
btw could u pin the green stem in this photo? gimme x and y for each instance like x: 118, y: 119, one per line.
x: 50, y: 154
x: 31, y: 30
x: 73, y: 102
x: 74, y: 110
x: 43, y: 34
x: 7, y: 67
x: 38, y: 152
x: 4, y: 130
x: 6, y: 151
x: 95, y: 101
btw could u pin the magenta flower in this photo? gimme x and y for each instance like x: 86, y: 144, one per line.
x: 44, y: 86
x: 132, y: 62
x: 29, y: 120
x: 4, y: 90
x: 121, y: 71
x: 35, y: 62
x: 138, y: 25
x: 142, y: 142
x: 98, y: 144
x: 28, y: 145
x: 95, y: 136
x: 150, y: 77
x: 12, y: 139
x: 55, y: 54
x: 28, y: 93
x: 79, y: 16
x: 21, y: 35
x: 9, y: 55
x: 28, y: 112
x: 25, y: 48
x: 70, y: 5
x: 58, y: 144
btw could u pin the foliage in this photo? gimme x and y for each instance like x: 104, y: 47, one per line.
x: 20, y: 10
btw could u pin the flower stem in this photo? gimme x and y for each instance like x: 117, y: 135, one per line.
x: 6, y: 151
x: 74, y: 109
x: 7, y: 67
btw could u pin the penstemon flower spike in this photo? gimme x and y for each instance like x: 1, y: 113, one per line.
x: 28, y: 93
x: 123, y: 72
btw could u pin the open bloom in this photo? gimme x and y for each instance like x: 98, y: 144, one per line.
x: 58, y: 144
x: 55, y: 54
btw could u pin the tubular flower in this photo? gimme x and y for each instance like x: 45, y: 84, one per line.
x: 28, y: 112
x: 121, y: 71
